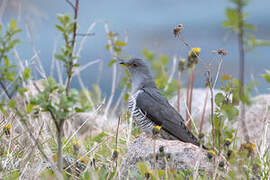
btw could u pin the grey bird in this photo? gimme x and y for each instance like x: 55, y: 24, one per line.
x: 149, y: 108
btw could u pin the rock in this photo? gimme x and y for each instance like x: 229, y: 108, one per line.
x: 258, y: 119
x: 180, y: 155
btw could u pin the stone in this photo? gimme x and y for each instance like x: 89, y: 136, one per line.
x: 179, y: 155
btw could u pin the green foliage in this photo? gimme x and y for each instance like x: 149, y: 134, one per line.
x: 236, y: 19
x: 53, y: 100
x: 7, y: 43
x: 115, y: 47
x: 67, y: 27
x: 8, y: 70
x: 266, y: 76
x: 161, y: 72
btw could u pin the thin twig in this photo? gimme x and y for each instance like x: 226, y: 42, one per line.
x: 242, y: 69
x: 190, y: 95
x: 203, y: 113
x: 116, y: 137
x: 71, y: 62
x: 212, y: 108
x: 178, y: 90
x: 172, y: 73
x: 218, y: 70
x: 187, y: 96
x: 70, y: 3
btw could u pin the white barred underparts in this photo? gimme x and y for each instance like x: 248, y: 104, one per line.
x: 140, y: 117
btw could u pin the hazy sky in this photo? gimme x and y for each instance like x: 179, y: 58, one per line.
x: 149, y: 24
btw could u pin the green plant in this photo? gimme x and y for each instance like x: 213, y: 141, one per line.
x: 160, y: 65
x: 236, y: 21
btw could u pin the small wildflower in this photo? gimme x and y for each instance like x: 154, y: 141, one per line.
x: 76, y: 145
x: 161, y: 149
x: 156, y: 129
x: 177, y: 30
x: 54, y: 157
x: 228, y: 141
x: 222, y: 52
x: 148, y: 174
x: 83, y: 160
x: 201, y: 135
x: 221, y: 164
x: 7, y: 129
x: 196, y: 50
x: 230, y: 153
x: 115, y: 154
x: 193, y: 56
x: 210, y: 154
x: 252, y: 146
x: 181, y: 65
x: 168, y: 156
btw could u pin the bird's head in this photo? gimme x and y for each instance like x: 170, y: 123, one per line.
x: 139, y: 72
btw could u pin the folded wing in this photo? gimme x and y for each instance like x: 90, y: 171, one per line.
x: 157, y: 108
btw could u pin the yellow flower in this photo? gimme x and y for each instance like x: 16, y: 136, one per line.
x: 117, y: 150
x: 210, y: 154
x: 8, y: 126
x: 182, y: 60
x: 158, y: 128
x: 253, y: 146
x: 196, y: 50
x: 54, y: 157
x: 7, y: 129
x: 148, y: 174
x: 76, y: 143
x: 228, y: 141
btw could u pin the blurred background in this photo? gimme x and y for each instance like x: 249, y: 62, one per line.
x: 149, y: 24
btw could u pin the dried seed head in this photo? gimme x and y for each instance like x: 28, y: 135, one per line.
x: 177, y: 30
x: 221, y: 164
x: 7, y: 129
x: 201, y: 135
x: 181, y: 64
x: 211, y: 154
x: 115, y: 154
x: 230, y: 153
x: 222, y: 52
x: 148, y: 174
x: 76, y: 145
x: 156, y: 130
x: 227, y: 142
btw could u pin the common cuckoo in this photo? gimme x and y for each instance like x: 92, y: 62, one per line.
x: 149, y: 108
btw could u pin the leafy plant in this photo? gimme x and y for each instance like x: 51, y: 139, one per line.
x: 160, y: 65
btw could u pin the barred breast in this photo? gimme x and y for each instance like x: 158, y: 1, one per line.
x: 141, y: 120
x: 139, y: 116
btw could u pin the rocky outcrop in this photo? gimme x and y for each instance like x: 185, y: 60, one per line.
x: 179, y: 156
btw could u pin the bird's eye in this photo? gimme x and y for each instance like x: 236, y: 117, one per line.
x: 134, y: 64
